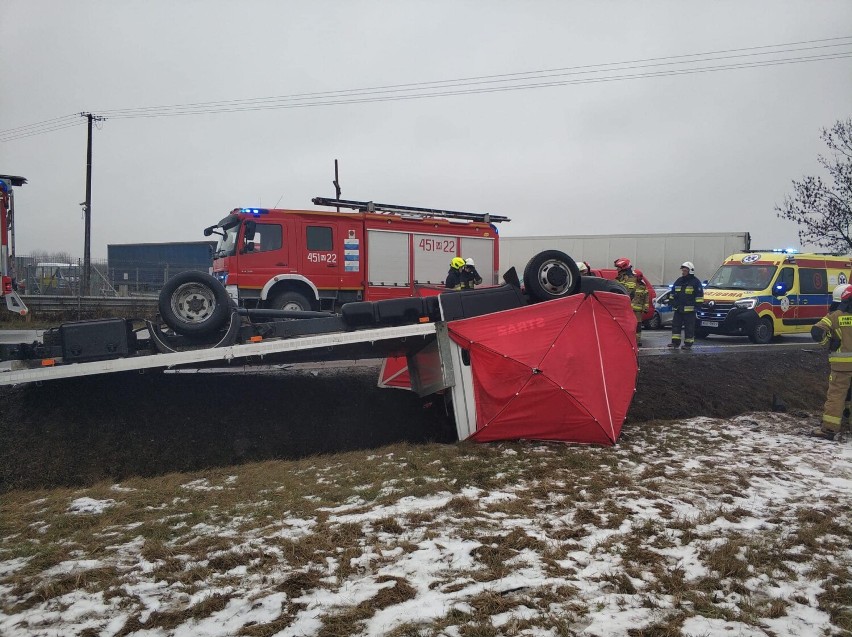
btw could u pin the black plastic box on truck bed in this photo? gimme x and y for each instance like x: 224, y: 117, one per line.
x: 97, y: 340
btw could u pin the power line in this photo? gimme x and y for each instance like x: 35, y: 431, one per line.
x: 53, y: 121
x: 358, y: 99
x: 525, y: 80
x: 504, y: 77
x: 38, y: 131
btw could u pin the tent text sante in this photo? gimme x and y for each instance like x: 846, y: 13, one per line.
x: 520, y: 326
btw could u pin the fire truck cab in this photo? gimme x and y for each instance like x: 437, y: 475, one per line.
x: 319, y: 260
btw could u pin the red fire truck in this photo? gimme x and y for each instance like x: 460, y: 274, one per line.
x: 318, y: 260
x: 8, y: 282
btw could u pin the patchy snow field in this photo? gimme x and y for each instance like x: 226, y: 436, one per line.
x: 704, y: 527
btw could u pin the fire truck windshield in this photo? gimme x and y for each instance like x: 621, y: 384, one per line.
x: 227, y: 244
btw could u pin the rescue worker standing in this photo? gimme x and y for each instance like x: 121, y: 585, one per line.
x: 635, y: 286
x: 687, y: 294
x: 454, y: 276
x: 835, y: 330
x: 469, y: 276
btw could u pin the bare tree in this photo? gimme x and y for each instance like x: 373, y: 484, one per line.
x: 824, y: 211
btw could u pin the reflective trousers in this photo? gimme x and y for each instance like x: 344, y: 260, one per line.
x: 835, y: 402
x: 685, y: 321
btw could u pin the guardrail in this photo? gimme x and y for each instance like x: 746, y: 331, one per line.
x: 119, y: 305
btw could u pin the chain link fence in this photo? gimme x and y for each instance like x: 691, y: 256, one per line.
x: 38, y: 276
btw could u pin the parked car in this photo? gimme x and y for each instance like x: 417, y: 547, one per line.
x: 663, y: 311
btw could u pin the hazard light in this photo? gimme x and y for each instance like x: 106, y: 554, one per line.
x: 7, y: 285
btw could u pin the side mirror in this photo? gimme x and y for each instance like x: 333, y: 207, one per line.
x: 208, y: 231
x: 251, y: 228
x: 779, y: 289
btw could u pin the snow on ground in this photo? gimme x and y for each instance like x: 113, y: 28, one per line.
x: 709, y: 528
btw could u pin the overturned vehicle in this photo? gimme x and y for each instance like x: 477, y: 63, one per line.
x: 549, y: 356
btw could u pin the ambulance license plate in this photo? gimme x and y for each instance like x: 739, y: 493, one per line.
x: 709, y: 323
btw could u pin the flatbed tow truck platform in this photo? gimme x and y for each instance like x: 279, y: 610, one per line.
x: 554, y: 359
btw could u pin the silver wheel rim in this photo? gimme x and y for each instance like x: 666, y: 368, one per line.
x: 545, y: 269
x: 292, y: 306
x: 193, y: 302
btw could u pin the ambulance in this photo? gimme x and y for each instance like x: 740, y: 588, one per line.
x: 761, y: 294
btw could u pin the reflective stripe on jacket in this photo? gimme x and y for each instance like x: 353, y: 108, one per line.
x: 687, y: 294
x: 835, y: 330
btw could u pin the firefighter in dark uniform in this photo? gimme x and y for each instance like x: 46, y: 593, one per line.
x: 454, y: 276
x: 687, y: 295
x: 635, y: 286
x: 469, y: 276
x: 835, y: 330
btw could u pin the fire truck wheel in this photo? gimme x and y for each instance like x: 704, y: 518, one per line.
x: 292, y: 301
x: 194, y: 304
x: 551, y: 275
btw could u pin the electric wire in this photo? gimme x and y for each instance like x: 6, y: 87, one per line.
x: 525, y: 80
x: 505, y: 77
x: 359, y: 99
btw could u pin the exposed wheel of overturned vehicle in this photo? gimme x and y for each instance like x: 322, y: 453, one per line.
x: 551, y: 275
x: 194, y: 303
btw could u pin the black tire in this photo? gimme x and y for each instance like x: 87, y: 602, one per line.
x: 655, y: 322
x: 551, y: 275
x: 288, y: 300
x: 194, y: 304
x: 763, y: 331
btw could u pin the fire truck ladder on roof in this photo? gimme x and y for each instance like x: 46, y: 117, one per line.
x: 370, y: 206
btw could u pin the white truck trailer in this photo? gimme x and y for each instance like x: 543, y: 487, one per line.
x: 658, y: 255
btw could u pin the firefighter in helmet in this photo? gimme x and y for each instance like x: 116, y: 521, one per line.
x: 635, y: 286
x: 835, y: 330
x: 454, y: 276
x: 687, y: 295
x: 469, y: 276
x: 584, y: 268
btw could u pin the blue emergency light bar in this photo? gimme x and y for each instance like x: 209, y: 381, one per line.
x: 255, y: 211
x: 786, y: 250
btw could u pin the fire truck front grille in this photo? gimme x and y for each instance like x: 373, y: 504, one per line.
x: 715, y: 312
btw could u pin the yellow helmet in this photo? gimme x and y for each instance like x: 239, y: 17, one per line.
x: 457, y: 263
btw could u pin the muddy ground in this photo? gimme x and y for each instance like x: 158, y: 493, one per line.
x: 79, y: 431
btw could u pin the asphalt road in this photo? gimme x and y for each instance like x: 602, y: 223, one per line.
x: 654, y: 342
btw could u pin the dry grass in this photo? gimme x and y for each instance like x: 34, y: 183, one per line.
x: 677, y: 539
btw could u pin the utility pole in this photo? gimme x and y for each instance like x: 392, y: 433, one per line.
x: 87, y: 209
x: 336, y: 183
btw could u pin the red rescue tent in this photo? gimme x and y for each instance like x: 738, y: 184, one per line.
x: 561, y: 370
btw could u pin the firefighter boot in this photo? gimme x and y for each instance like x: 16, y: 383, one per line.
x: 822, y: 432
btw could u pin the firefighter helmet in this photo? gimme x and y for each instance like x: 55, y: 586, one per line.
x: 469, y: 262
x: 622, y: 263
x: 689, y: 266
x: 583, y: 267
x: 457, y: 263
x: 842, y: 293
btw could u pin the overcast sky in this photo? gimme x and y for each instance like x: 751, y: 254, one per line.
x: 694, y: 151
